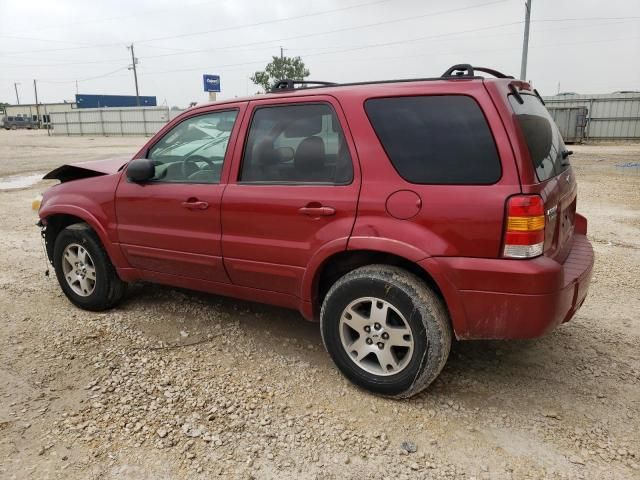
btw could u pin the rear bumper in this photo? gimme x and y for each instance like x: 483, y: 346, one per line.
x: 509, y: 299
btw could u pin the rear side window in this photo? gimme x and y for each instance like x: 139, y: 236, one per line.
x: 436, y: 139
x: 296, y: 144
x: 542, y: 136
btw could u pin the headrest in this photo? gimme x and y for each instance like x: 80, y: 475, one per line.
x: 264, y: 154
x: 310, y: 154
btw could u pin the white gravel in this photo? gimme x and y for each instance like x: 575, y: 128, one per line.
x: 175, y: 384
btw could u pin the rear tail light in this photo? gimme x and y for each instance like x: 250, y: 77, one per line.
x: 524, y: 230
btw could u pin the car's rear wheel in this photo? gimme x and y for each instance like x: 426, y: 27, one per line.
x: 84, y: 270
x: 386, y: 330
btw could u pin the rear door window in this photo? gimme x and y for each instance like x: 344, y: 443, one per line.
x: 296, y: 144
x: 544, y: 141
x: 443, y: 139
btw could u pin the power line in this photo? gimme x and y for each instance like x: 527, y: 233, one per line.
x: 362, y: 47
x: 582, y: 19
x: 348, y: 60
x: 48, y: 40
x: 220, y: 66
x: 109, y: 19
x: 267, y: 44
x: 337, y: 30
x: 85, y: 79
x: 261, y: 42
x: 265, y: 22
x: 315, y: 34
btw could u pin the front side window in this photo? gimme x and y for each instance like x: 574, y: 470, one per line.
x: 439, y: 139
x: 296, y: 144
x: 194, y: 150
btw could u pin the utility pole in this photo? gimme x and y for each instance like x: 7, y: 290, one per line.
x: 15, y: 85
x: 76, y: 87
x: 281, y: 53
x: 35, y: 90
x: 134, y: 61
x: 525, y: 42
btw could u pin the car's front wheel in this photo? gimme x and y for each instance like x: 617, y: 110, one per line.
x: 84, y: 270
x: 386, y: 330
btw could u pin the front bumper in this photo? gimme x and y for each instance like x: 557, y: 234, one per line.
x: 509, y: 299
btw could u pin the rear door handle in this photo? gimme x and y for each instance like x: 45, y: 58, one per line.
x: 317, y: 211
x: 194, y: 204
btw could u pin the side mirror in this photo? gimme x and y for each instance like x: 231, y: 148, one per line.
x: 140, y: 170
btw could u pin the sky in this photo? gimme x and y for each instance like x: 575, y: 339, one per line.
x: 583, y: 46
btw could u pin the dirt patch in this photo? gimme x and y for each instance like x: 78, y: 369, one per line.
x: 175, y: 384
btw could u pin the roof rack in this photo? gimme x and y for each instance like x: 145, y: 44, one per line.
x: 466, y: 70
x: 461, y: 70
x: 288, y: 84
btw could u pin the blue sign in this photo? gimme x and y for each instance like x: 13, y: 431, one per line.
x: 211, y: 83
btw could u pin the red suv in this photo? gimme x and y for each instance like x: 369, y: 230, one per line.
x: 397, y: 213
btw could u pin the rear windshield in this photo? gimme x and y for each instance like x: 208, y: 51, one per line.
x: 440, y: 139
x: 542, y: 136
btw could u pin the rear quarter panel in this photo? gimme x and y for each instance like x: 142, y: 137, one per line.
x: 454, y: 220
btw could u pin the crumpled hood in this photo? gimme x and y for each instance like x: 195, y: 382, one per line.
x: 76, y: 171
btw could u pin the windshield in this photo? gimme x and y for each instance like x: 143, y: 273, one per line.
x: 544, y: 141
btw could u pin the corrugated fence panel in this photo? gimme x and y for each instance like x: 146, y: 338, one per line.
x: 58, y: 118
x: 610, y: 117
x: 110, y: 121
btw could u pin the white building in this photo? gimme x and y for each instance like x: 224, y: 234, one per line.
x: 42, y: 110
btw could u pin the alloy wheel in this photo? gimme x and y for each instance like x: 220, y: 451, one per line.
x: 79, y: 269
x: 376, y: 336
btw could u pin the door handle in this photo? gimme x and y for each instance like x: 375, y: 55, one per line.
x: 195, y: 205
x: 317, y: 211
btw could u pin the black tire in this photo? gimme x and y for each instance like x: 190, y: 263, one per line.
x: 423, y: 311
x: 108, y: 290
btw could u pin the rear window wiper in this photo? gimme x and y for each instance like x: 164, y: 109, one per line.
x: 565, y: 155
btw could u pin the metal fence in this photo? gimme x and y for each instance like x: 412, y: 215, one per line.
x: 111, y: 121
x: 571, y: 121
x: 614, y: 116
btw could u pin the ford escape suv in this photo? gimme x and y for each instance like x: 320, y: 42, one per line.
x: 397, y: 214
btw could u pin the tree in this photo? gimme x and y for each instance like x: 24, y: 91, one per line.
x: 278, y: 69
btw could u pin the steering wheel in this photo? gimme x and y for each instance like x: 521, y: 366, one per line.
x: 189, y: 165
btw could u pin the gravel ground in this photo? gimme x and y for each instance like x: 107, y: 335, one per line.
x: 175, y: 384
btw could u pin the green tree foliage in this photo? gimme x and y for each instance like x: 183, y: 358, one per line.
x: 278, y: 69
